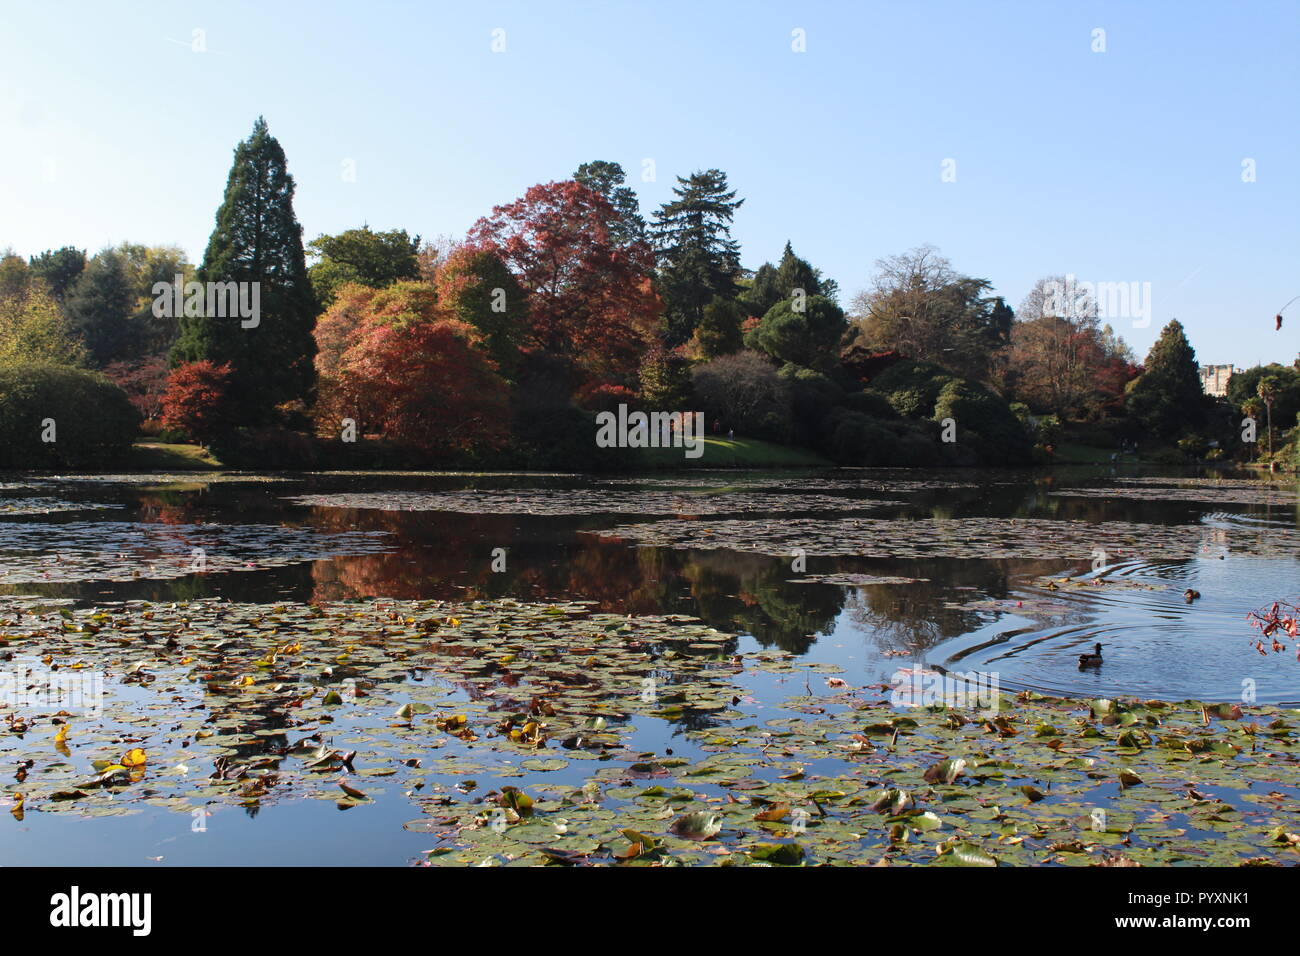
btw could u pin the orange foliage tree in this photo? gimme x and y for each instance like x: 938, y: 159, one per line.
x: 398, y: 364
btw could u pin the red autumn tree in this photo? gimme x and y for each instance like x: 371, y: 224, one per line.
x: 394, y: 360
x: 196, y: 400
x: 589, y: 298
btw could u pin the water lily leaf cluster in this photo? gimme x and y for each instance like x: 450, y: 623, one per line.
x: 583, y: 501
x: 71, y: 551
x: 521, y: 734
x: 985, y: 538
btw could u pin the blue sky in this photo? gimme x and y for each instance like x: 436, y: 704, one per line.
x: 1115, y: 166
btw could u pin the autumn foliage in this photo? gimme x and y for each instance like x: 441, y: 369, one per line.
x: 396, y: 363
x: 590, y: 297
x: 196, y: 400
x: 1276, y: 624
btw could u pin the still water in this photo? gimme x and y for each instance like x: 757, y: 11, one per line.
x: 310, y: 539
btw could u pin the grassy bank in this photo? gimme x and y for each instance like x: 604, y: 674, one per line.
x: 164, y: 456
x: 735, y: 453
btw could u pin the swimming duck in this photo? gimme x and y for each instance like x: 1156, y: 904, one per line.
x: 1091, y: 660
x: 1189, y: 595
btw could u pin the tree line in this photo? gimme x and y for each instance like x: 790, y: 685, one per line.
x: 499, y: 346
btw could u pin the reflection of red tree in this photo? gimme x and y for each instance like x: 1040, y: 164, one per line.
x: 171, y: 514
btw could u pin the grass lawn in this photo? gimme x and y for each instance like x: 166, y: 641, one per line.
x: 735, y: 453
x: 162, y: 456
x: 1069, y: 453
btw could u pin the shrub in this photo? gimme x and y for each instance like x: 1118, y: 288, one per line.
x: 90, y: 419
x: 1169, y: 456
x: 265, y: 449
x: 912, y: 387
x: 744, y: 392
x: 916, y: 450
x: 1097, y: 436
x: 812, y: 396
x: 869, y: 403
x: 1047, y: 429
x: 665, y: 380
x: 856, y: 439
x: 1192, y: 445
x: 993, y: 433
x: 560, y: 438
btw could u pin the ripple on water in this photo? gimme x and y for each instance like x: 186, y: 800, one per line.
x: 1155, y: 643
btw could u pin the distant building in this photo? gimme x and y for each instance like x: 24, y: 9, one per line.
x: 1214, y: 379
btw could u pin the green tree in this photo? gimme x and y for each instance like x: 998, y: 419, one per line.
x: 478, y: 288
x: 15, y: 275
x: 719, y: 331
x: 802, y: 331
x: 665, y: 380
x: 772, y: 283
x: 257, y: 240
x: 1268, y: 389
x: 373, y: 259
x: 697, y: 258
x: 99, y: 306
x: 32, y: 329
x: 1167, y: 397
x: 58, y: 268
x: 608, y: 179
x: 149, y: 334
x: 1244, y: 385
x: 761, y: 292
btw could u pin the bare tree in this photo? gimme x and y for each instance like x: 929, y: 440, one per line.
x: 921, y: 306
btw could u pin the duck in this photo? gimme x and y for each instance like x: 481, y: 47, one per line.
x: 1091, y: 660
x: 1191, y: 595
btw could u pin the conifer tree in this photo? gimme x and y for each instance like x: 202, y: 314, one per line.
x: 697, y: 257
x: 257, y: 239
x: 1167, y: 398
x: 608, y: 179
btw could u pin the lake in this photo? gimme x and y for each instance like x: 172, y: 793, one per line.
x: 629, y: 652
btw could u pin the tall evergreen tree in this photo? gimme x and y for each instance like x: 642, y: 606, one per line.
x: 1167, y: 397
x: 608, y: 179
x: 698, y: 259
x: 257, y: 239
x: 773, y: 283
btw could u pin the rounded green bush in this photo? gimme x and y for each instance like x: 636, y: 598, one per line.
x: 55, y: 416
